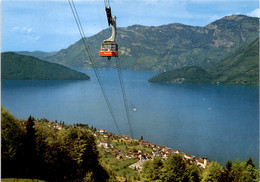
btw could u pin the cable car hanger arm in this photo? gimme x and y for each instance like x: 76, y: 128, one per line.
x: 108, y: 12
x: 109, y: 16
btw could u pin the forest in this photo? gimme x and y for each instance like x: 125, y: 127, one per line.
x: 36, y: 149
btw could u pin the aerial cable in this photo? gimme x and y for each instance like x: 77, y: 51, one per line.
x: 81, y: 31
x: 107, y: 4
x: 111, y: 21
x: 124, y: 96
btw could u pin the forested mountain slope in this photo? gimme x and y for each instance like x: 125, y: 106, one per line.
x: 240, y: 67
x: 20, y: 67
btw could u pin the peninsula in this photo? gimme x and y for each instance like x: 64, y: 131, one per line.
x: 21, y: 67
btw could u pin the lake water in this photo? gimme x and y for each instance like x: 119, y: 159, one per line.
x: 217, y: 121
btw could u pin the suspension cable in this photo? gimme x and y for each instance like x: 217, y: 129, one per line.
x: 124, y: 96
x: 107, y: 4
x: 82, y: 34
x: 109, y: 17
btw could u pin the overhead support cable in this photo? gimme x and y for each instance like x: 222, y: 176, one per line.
x: 82, y: 34
x: 124, y: 95
x: 112, y: 21
x: 107, y: 4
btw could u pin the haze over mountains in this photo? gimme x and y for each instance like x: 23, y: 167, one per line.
x: 166, y: 47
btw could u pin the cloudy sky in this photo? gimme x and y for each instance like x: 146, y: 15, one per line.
x: 48, y: 25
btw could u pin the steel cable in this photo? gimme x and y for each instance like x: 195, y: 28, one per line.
x: 124, y: 95
x: 81, y: 31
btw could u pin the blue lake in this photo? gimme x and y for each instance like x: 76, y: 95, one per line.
x: 217, y: 121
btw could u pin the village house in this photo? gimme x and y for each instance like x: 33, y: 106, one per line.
x: 202, y: 162
x: 128, y: 155
x: 159, y: 147
x: 102, y: 131
x: 142, y: 157
x: 136, y: 156
x: 149, y: 156
x: 154, y: 149
x: 178, y: 152
x: 164, y: 157
x: 137, y: 166
x: 153, y: 145
x: 104, y: 144
x: 188, y: 157
x: 105, y: 136
x: 143, y: 142
x: 125, y: 137
x: 57, y: 126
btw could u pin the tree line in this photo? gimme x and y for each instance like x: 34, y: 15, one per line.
x: 38, y: 150
x: 177, y: 169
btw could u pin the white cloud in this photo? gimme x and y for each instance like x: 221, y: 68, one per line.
x: 14, y: 29
x: 36, y: 38
x: 214, y: 17
x: 27, y: 33
x: 29, y: 30
x: 255, y: 13
x: 22, y: 29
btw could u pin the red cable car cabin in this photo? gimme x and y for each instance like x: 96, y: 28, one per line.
x: 108, y: 50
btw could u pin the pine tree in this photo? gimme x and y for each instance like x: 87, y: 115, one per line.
x: 30, y: 148
x: 250, y: 162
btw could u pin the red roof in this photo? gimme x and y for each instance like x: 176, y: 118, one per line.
x: 200, y: 160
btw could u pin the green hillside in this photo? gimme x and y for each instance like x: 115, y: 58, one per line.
x: 19, y: 67
x: 166, y: 47
x: 188, y: 74
x: 241, y: 67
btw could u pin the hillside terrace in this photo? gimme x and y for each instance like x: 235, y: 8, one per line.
x: 125, y: 147
x: 140, y: 150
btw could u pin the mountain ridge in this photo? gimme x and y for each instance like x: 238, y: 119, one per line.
x: 166, y: 47
x: 38, y: 54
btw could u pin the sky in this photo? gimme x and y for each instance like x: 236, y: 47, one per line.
x: 49, y: 25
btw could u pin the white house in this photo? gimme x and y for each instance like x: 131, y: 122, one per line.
x: 187, y: 156
x: 102, y: 131
x: 202, y: 162
x: 104, y: 144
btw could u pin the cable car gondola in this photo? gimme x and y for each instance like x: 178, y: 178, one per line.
x: 109, y: 48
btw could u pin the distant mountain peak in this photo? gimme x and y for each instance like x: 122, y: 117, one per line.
x: 235, y: 17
